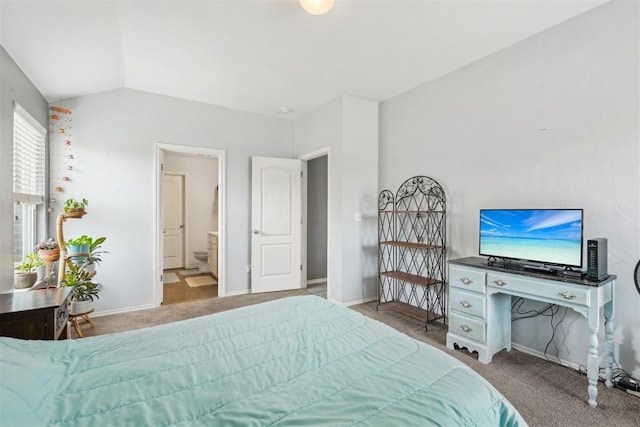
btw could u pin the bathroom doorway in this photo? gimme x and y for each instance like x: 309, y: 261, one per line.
x: 198, y: 272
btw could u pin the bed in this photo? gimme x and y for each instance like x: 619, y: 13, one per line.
x: 292, y: 362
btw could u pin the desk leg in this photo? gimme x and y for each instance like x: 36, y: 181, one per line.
x: 592, y: 362
x: 608, y: 342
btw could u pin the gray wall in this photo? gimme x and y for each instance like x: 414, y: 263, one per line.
x: 348, y: 127
x: 115, y: 139
x: 14, y: 86
x: 552, y: 121
x: 317, y: 186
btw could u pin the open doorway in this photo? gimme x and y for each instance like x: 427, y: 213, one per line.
x: 317, y: 222
x: 190, y: 221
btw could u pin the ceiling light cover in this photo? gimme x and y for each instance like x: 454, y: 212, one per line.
x: 317, y: 7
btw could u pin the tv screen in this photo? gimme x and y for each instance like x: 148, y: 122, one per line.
x: 547, y: 236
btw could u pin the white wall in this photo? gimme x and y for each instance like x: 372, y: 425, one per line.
x: 115, y: 134
x: 201, y: 179
x: 552, y: 121
x: 349, y: 127
x: 14, y: 86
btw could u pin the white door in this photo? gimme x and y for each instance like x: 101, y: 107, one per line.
x: 276, y: 214
x: 173, y: 219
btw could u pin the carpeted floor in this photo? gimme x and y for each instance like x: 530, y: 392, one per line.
x: 545, y: 394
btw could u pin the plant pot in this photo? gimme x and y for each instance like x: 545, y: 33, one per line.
x: 90, y: 268
x: 80, y: 307
x: 74, y: 213
x: 77, y: 253
x: 24, y: 280
x: 41, y: 272
x: 49, y: 255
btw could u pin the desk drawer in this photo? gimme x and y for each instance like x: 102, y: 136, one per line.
x: 561, y: 292
x: 468, y: 279
x: 467, y: 327
x: 466, y: 302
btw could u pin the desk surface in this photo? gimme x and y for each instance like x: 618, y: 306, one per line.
x: 18, y: 301
x: 514, y: 268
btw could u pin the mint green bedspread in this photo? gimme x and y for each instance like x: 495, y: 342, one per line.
x: 295, y: 361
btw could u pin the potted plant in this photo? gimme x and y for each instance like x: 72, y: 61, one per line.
x: 95, y: 255
x: 83, y: 289
x: 74, y: 208
x: 48, y: 250
x: 25, y: 275
x: 78, y: 246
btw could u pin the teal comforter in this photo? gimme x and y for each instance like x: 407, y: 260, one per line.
x: 295, y: 361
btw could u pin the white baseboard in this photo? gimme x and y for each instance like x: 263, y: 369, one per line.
x: 360, y: 301
x: 553, y: 359
x: 123, y: 310
x: 314, y: 281
x: 234, y: 293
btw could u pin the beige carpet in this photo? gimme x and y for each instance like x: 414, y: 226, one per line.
x: 194, y: 282
x: 545, y: 394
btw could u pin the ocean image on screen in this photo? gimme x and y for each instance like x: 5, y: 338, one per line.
x: 546, y: 236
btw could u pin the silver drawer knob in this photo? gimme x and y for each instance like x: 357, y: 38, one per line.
x: 567, y: 295
x: 500, y: 282
x: 465, y: 328
x: 465, y: 304
x: 466, y: 280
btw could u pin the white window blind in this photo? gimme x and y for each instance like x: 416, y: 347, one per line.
x: 29, y: 154
x: 28, y: 157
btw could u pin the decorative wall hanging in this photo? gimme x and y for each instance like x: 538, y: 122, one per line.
x: 60, y: 150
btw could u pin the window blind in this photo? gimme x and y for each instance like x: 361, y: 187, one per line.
x: 28, y: 157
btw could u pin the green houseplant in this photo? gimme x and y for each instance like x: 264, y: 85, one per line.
x: 95, y: 255
x: 75, y: 208
x: 25, y: 275
x: 79, y: 245
x: 83, y: 289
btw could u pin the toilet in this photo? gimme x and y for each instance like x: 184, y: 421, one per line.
x: 203, y: 257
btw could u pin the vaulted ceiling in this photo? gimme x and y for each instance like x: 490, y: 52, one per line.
x: 262, y: 55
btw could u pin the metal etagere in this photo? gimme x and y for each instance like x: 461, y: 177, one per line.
x: 412, y: 249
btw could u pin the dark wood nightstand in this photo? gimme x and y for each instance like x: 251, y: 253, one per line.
x: 37, y: 315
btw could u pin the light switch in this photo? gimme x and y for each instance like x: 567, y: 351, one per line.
x: 357, y: 217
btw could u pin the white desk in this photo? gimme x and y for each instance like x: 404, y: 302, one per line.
x: 480, y: 309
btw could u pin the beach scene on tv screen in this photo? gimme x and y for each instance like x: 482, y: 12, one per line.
x: 547, y: 236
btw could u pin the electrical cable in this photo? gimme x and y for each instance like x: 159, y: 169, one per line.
x: 527, y: 314
x: 553, y: 333
x: 617, y: 374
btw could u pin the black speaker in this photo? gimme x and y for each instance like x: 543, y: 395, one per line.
x: 597, y: 259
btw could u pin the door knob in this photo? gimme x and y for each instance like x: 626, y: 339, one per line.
x: 256, y: 232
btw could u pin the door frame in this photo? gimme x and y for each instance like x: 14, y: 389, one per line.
x: 160, y: 149
x: 305, y: 158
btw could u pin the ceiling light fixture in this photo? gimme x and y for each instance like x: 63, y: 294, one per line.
x: 317, y: 7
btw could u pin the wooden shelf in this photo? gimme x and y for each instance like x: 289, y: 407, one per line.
x: 410, y: 278
x: 412, y: 245
x: 410, y: 310
x: 83, y: 255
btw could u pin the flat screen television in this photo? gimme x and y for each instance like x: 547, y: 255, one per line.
x: 551, y: 237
